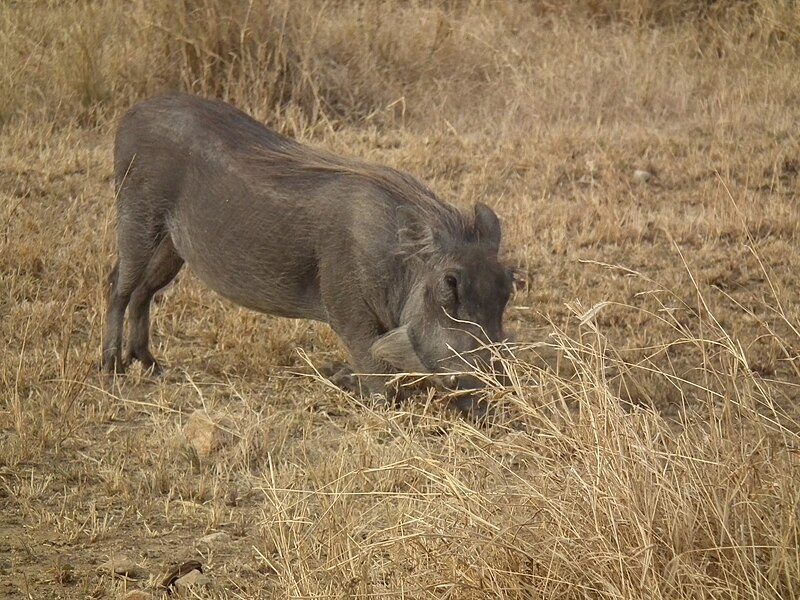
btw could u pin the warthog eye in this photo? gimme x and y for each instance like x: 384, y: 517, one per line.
x: 448, y: 290
x: 452, y: 283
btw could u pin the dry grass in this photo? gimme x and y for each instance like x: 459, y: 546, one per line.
x: 648, y: 445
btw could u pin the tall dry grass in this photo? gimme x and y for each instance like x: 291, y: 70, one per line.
x: 338, y: 62
x: 647, y: 446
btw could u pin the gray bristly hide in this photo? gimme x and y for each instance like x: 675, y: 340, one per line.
x: 407, y: 281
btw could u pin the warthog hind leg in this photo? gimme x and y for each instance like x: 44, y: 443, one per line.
x: 160, y: 271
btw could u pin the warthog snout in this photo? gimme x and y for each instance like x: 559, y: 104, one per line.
x: 470, y: 371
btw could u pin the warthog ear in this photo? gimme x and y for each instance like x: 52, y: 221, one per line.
x: 488, y: 226
x: 416, y: 236
x: 396, y: 349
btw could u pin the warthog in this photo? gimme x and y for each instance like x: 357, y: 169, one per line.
x: 408, y: 282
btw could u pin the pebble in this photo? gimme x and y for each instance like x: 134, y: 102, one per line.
x: 193, y: 578
x: 208, y: 432
x: 123, y: 565
x: 219, y: 537
x: 138, y: 595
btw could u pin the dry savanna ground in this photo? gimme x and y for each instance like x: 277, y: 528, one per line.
x: 644, y: 157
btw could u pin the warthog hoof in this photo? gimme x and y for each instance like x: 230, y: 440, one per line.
x: 114, y: 367
x: 341, y: 375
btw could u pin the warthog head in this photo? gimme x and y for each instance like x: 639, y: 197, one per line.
x: 458, y: 293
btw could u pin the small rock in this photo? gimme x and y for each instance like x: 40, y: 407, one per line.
x: 208, y: 432
x: 193, y: 578
x: 642, y: 176
x: 174, y: 573
x: 138, y: 595
x: 123, y: 565
x: 220, y: 537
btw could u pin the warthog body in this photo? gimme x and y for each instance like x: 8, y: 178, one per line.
x: 406, y: 280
